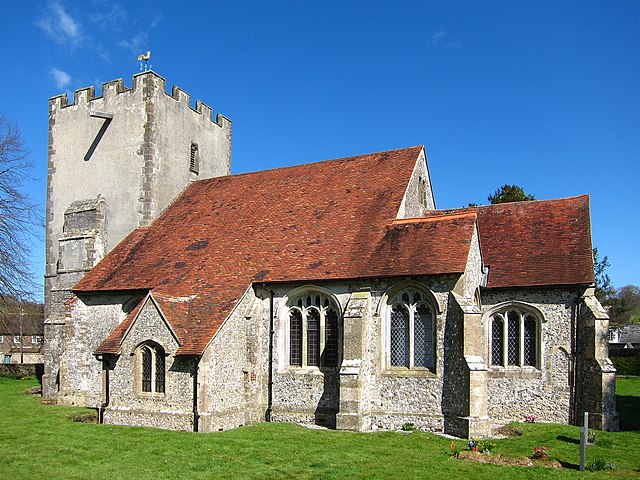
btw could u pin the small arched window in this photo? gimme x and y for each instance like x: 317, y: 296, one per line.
x: 151, y: 367
x: 514, y: 338
x: 314, y: 331
x: 411, y: 331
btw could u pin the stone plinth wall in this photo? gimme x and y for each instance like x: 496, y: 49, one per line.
x: 19, y: 370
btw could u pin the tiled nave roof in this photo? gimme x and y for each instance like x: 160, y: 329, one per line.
x: 321, y: 221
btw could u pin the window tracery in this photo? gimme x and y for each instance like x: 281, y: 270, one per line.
x: 151, y: 361
x: 514, y: 338
x: 314, y: 331
x: 411, y: 331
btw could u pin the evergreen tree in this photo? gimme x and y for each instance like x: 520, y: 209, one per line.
x: 510, y: 193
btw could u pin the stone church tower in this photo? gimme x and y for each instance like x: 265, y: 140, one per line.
x: 115, y: 162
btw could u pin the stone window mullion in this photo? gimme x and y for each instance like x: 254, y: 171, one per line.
x: 520, y: 343
x: 411, y: 335
x: 322, y: 334
x: 304, y: 338
x: 153, y: 370
x: 521, y: 340
x: 505, y: 342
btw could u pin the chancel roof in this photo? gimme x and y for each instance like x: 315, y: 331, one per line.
x: 545, y: 242
x: 323, y: 221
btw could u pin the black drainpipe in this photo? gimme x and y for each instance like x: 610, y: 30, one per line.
x: 105, y: 400
x: 196, y: 415
x: 574, y: 362
x: 270, y: 360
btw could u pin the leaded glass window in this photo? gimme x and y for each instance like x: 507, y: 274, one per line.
x: 514, y: 338
x: 152, y: 369
x: 399, y: 336
x: 295, y: 337
x: 314, y: 331
x: 423, y: 334
x: 411, y: 340
x: 313, y: 337
x: 497, y: 343
x: 146, y: 369
x: 529, y: 341
x: 159, y: 372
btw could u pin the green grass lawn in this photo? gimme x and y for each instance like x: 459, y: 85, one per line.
x: 43, y: 441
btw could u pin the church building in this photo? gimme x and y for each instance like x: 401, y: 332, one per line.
x: 335, y: 293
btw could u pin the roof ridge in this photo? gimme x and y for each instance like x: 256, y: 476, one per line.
x: 546, y: 200
x: 300, y: 165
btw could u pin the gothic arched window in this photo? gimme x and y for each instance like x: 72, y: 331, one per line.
x: 151, y: 367
x: 314, y: 331
x: 411, y: 331
x: 514, y: 338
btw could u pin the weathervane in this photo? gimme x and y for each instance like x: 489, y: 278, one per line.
x: 144, y: 58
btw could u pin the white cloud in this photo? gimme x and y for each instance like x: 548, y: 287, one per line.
x: 453, y: 44
x: 441, y: 38
x: 108, y: 14
x: 156, y: 20
x: 62, y: 79
x: 438, y: 37
x: 59, y: 25
x: 137, y: 45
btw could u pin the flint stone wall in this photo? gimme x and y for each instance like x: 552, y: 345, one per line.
x: 127, y: 404
x: 89, y: 320
x: 517, y: 392
x: 303, y: 394
x: 391, y: 398
x: 233, y: 376
x: 411, y: 205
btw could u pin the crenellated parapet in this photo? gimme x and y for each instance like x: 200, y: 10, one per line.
x: 115, y: 161
x: 145, y: 85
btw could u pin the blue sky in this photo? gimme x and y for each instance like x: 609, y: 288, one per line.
x: 545, y: 95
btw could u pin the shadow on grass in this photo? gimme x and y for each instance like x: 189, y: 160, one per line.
x: 628, y: 408
x: 564, y: 438
x: 568, y: 465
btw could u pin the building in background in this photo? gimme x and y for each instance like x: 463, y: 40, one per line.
x: 21, y: 332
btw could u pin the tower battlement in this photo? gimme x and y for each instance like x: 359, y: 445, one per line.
x: 145, y: 84
x: 115, y: 162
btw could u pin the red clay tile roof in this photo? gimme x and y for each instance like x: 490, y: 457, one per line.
x: 545, y: 242
x: 112, y: 343
x: 324, y: 221
x: 327, y: 220
x: 175, y: 309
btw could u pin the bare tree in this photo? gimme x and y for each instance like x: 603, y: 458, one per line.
x: 19, y: 220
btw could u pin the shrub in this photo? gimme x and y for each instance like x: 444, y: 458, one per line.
x: 627, y: 365
x: 408, y: 427
x: 86, y: 418
x: 598, y: 464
